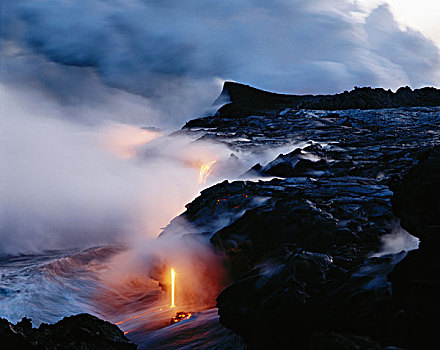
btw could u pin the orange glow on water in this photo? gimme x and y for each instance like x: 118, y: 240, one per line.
x: 173, y: 277
x: 184, y: 278
x: 180, y: 316
x: 137, y: 316
x: 205, y: 171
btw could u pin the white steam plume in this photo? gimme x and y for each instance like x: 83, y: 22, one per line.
x: 64, y: 184
x: 397, y: 241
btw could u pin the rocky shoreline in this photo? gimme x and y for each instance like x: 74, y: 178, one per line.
x: 304, y: 249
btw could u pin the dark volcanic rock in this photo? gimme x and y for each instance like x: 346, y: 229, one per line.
x: 306, y: 213
x: 416, y: 280
x: 296, y: 163
x: 301, y: 248
x: 417, y: 197
x: 81, y: 331
x: 338, y: 341
x: 246, y: 100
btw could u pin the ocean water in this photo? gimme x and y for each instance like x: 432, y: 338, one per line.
x: 49, y: 286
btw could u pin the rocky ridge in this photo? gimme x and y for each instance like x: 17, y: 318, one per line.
x: 246, y: 100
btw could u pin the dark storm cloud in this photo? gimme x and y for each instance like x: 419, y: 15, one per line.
x: 299, y: 46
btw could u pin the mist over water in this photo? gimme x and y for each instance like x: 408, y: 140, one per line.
x: 68, y: 185
x: 82, y: 206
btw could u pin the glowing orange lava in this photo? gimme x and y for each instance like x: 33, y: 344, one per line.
x: 173, y: 277
x: 180, y: 316
x: 205, y: 171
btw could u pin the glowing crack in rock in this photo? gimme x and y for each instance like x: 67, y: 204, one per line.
x: 225, y: 199
x: 173, y: 277
x: 205, y: 171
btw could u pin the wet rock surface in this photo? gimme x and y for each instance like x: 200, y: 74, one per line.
x: 302, y: 248
x: 81, y: 331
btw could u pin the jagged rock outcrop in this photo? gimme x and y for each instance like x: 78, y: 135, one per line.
x: 244, y: 100
x: 81, y: 331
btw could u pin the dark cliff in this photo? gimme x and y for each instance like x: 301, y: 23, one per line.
x: 247, y: 100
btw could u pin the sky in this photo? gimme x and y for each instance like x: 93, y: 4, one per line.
x: 168, y: 59
x: 422, y: 14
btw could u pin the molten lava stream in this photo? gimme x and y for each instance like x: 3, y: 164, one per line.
x: 155, y: 315
x: 180, y: 315
x: 176, y: 287
x: 173, y: 277
x: 205, y: 171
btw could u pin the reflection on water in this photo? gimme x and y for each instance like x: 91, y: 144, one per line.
x: 49, y: 286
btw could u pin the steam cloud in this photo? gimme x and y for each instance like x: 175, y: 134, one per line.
x: 69, y: 66
x: 68, y: 185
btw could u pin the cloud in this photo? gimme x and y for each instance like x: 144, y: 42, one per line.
x: 406, y: 52
x: 159, y: 49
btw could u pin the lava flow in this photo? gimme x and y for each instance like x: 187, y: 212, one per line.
x: 180, y: 316
x: 225, y: 199
x: 173, y: 277
x: 205, y: 171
